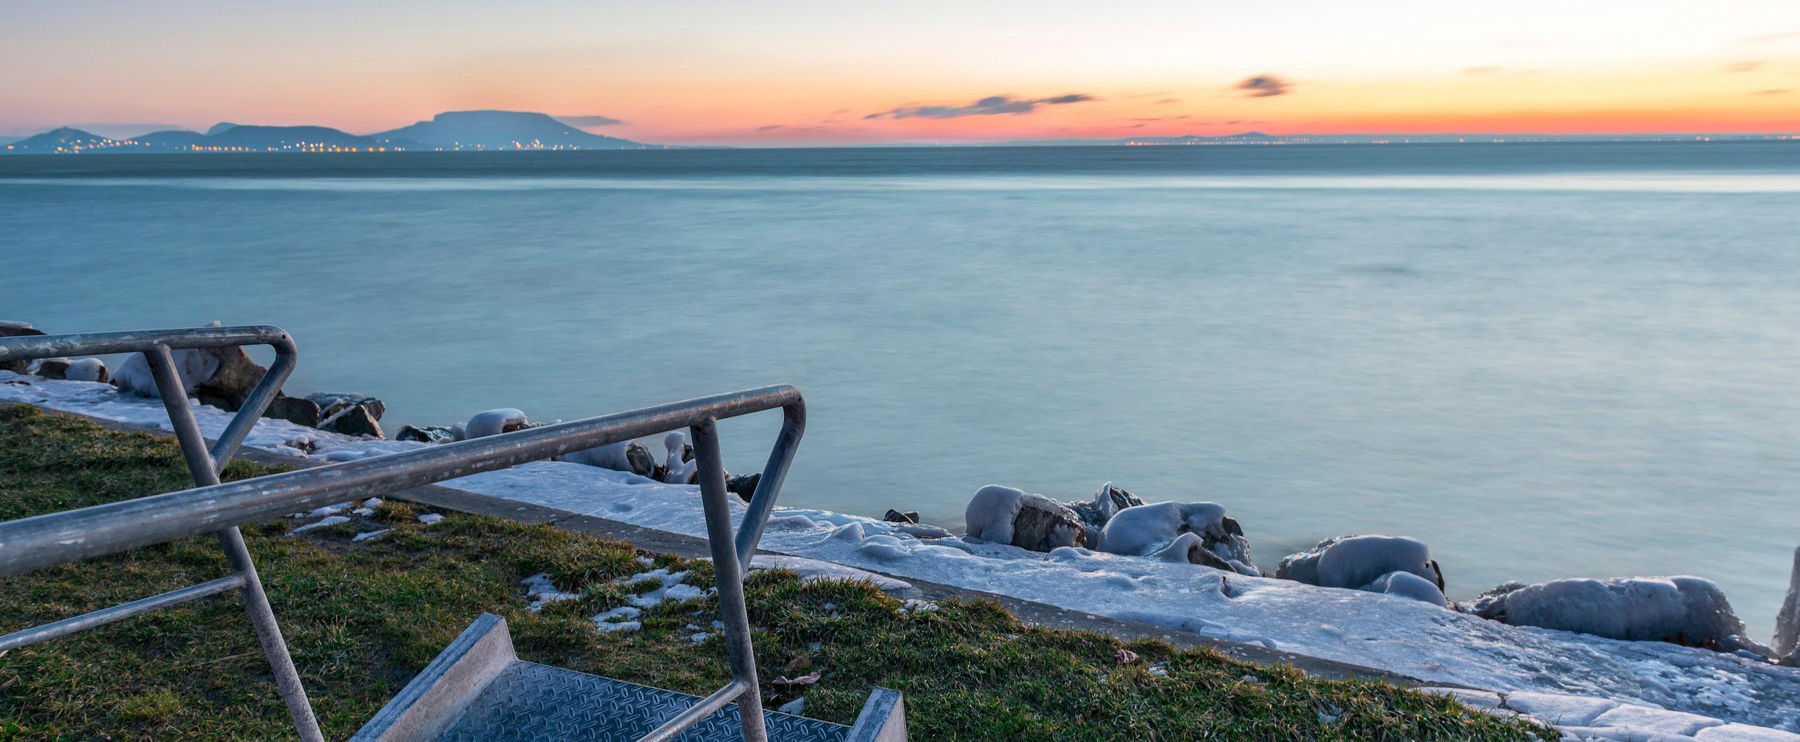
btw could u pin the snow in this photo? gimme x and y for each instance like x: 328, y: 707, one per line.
x: 85, y: 369
x: 366, y: 535
x: 430, y: 518
x: 1405, y: 636
x: 542, y: 592
x: 193, y: 366
x: 321, y: 523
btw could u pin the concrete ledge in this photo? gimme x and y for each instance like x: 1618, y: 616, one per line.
x: 882, y: 719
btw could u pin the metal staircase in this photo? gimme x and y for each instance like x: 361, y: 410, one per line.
x: 477, y: 689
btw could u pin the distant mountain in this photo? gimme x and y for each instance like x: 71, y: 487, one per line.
x: 169, y: 141
x: 64, y: 139
x: 499, y: 130
x: 282, y: 138
x: 219, y: 127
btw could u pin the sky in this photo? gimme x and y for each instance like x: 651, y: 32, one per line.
x: 802, y: 72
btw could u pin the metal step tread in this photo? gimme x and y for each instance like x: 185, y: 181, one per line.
x: 529, y: 701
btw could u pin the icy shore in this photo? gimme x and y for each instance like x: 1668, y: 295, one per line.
x: 1401, y: 635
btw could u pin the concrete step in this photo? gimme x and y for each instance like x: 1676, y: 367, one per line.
x: 478, y: 690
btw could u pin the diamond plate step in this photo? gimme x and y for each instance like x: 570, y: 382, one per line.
x: 478, y: 690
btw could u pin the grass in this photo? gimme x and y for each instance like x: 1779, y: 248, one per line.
x: 361, y: 618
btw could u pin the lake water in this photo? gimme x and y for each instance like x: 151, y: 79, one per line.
x: 1543, y: 360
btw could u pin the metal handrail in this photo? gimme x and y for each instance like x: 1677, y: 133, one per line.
x: 57, y: 538
x: 204, y: 464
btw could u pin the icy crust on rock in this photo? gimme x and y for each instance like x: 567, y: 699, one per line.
x: 1682, y: 610
x: 1177, y: 531
x: 1364, y: 628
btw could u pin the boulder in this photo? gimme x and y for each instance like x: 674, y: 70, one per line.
x: 10, y: 329
x: 80, y: 369
x: 895, y: 516
x: 354, y: 419
x: 627, y: 456
x: 296, y: 410
x: 495, y: 422
x: 1680, y: 610
x: 743, y: 485
x: 1107, y: 501
x: 1787, y: 622
x: 234, y: 376
x: 193, y: 367
x: 331, y: 402
x: 1357, y: 561
x: 1155, y: 530
x: 1007, y: 515
x: 426, y: 434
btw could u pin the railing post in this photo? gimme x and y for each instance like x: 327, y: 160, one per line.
x: 762, y: 502
x: 206, y: 472
x: 729, y: 575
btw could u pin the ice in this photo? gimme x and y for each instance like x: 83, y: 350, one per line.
x: 493, y: 422
x: 1356, y: 561
x: 193, y: 366
x: 1684, y: 610
x: 330, y: 521
x: 85, y: 369
x: 1408, y: 585
x: 1407, y: 637
x: 990, y: 513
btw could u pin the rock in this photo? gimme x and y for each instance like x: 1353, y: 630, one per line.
x: 354, y: 419
x: 296, y: 410
x: 80, y: 369
x: 426, y: 434
x: 679, y: 466
x: 627, y: 456
x: 1190, y: 548
x: 234, y: 376
x: 9, y: 329
x: 895, y: 516
x: 1787, y: 622
x: 330, y: 402
x: 1154, y: 529
x: 1107, y: 501
x: 743, y: 485
x: 1681, y: 610
x: 1012, y: 516
x: 1357, y: 561
x: 193, y: 367
x: 1408, y: 585
x: 52, y: 368
x: 495, y: 422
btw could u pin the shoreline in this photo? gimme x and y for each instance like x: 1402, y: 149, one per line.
x: 1391, y: 634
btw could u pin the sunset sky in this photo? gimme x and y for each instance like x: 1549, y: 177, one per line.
x: 785, y: 73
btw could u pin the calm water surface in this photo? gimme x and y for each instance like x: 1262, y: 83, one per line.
x: 1543, y: 360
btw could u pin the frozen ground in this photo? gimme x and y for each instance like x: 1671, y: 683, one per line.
x: 1392, y: 633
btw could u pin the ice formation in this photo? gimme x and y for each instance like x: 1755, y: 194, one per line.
x: 1787, y: 622
x: 1357, y: 561
x: 1680, y: 610
x: 1197, y: 532
x: 1008, y: 515
x: 195, y: 367
x: 494, y: 422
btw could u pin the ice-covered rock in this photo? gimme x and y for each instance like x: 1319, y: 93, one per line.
x: 1008, y: 515
x: 678, y: 466
x: 1357, y: 561
x: 425, y: 434
x: 234, y: 376
x: 296, y: 410
x: 1107, y: 501
x: 353, y: 418
x: 80, y: 369
x: 9, y: 329
x: 1787, y: 622
x: 1158, y: 530
x: 192, y: 366
x: 1691, y: 611
x: 331, y: 402
x: 1408, y: 585
x: 495, y: 422
x: 630, y: 456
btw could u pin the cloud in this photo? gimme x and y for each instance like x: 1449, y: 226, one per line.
x: 770, y: 127
x: 1743, y: 66
x: 992, y: 105
x: 1264, y: 86
x: 1774, y: 38
x: 583, y: 122
x: 1774, y: 91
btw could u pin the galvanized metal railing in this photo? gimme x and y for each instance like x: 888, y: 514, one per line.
x: 204, y: 464
x: 57, y: 538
